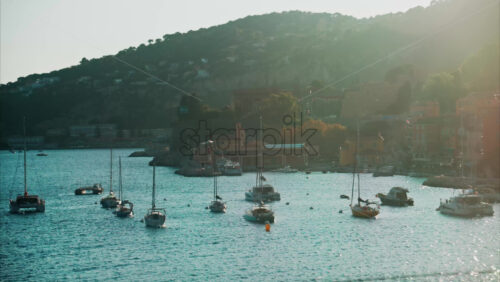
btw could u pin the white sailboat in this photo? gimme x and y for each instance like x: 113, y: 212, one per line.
x: 26, y: 202
x: 217, y: 205
x: 155, y: 216
x: 363, y: 208
x: 125, y: 208
x: 110, y: 201
x: 261, y: 192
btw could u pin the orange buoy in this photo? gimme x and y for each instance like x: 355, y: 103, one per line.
x: 268, y: 227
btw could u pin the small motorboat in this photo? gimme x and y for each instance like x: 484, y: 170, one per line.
x: 465, y: 205
x: 396, y: 197
x: 344, y: 197
x: 94, y: 189
x: 41, y: 155
x: 260, y: 214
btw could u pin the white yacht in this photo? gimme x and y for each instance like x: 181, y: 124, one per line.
x: 110, y: 201
x: 125, y: 208
x: 465, y: 205
x: 259, y: 213
x: 156, y: 216
x: 261, y: 192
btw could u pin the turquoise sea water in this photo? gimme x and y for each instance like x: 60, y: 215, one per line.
x: 76, y: 239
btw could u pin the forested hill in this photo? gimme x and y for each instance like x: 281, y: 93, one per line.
x: 281, y: 50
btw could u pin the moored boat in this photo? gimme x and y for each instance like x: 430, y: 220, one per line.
x: 396, y: 197
x: 110, y: 201
x: 88, y: 190
x: 155, y: 216
x: 260, y: 214
x: 363, y: 208
x: 125, y: 208
x: 465, y: 205
x: 26, y: 202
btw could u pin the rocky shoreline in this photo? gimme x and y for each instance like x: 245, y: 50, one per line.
x: 463, y: 182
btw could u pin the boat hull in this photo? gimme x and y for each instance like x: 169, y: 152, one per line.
x: 364, y: 211
x: 217, y: 207
x: 395, y: 202
x: 124, y: 212
x: 88, y: 191
x: 155, y: 220
x: 466, y: 212
x: 27, y: 203
x: 109, y: 202
x: 259, y: 219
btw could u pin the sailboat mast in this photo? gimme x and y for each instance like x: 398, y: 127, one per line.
x: 462, y: 133
x: 261, y: 141
x: 213, y: 170
x: 111, y: 170
x: 25, y: 177
x: 357, y: 146
x: 154, y: 185
x: 120, y: 186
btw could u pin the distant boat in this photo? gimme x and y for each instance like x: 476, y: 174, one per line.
x: 26, y: 202
x: 41, y: 155
x: 396, y: 197
x: 110, y: 201
x: 217, y: 205
x: 155, y: 216
x: 286, y: 169
x: 465, y: 205
x: 260, y: 214
x: 94, y: 189
x: 231, y: 168
x: 261, y: 192
x: 363, y: 208
x: 125, y: 208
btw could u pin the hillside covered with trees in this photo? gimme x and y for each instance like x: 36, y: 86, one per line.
x: 297, y: 52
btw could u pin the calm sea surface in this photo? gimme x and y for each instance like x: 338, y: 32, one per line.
x: 76, y: 239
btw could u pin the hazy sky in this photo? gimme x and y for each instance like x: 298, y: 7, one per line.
x: 38, y: 36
